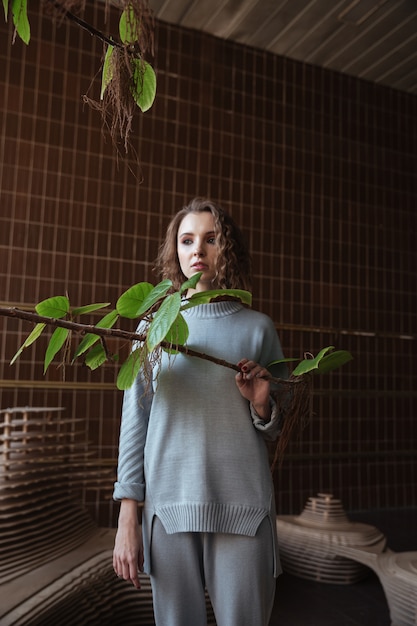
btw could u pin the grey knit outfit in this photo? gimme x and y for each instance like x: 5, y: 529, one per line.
x: 192, y: 447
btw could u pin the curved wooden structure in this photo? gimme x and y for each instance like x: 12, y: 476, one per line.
x: 308, y: 542
x: 55, y: 563
x: 44, y: 462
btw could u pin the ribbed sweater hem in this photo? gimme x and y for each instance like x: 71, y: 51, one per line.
x: 211, y: 517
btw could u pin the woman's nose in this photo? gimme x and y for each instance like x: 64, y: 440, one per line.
x: 199, y: 250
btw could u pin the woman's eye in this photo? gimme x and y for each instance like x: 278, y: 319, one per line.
x: 187, y: 242
x: 212, y: 240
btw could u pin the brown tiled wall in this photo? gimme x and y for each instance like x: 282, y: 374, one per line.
x: 318, y: 167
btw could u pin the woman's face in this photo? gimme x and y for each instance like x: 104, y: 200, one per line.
x: 197, y: 249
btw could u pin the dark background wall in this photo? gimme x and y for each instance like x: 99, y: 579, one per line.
x: 320, y: 170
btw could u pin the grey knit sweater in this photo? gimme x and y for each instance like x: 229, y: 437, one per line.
x: 192, y: 447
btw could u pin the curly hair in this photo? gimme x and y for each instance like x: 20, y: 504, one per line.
x: 233, y: 261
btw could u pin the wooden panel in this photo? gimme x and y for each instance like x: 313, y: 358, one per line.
x: 314, y: 32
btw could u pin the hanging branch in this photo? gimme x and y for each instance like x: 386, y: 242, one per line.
x: 128, y: 81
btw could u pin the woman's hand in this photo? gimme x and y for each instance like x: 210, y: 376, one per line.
x: 253, y: 384
x: 128, y: 546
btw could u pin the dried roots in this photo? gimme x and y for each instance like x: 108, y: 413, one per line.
x: 294, y: 397
x: 116, y: 105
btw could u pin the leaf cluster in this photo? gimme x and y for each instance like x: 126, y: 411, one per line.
x: 161, y: 327
x: 141, y: 76
x: 157, y: 309
x: 128, y: 81
x: 325, y: 361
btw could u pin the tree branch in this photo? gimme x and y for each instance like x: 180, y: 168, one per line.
x: 93, y: 31
x: 295, y: 409
x: 83, y: 329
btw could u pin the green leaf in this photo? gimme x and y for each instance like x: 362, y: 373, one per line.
x: 163, y: 320
x: 158, y: 292
x: 90, y: 339
x: 177, y: 335
x: 191, y: 283
x: 203, y: 297
x: 89, y: 308
x: 141, y: 297
x: 308, y: 365
x: 272, y: 363
x: 36, y: 332
x: 55, y: 307
x: 96, y: 357
x: 130, y: 303
x: 6, y: 8
x: 333, y: 361
x: 55, y: 344
x: 144, y: 84
x: 129, y: 26
x: 107, y: 74
x: 20, y: 19
x: 130, y: 369
x: 274, y: 367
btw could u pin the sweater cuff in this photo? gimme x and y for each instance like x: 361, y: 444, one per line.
x: 131, y: 491
x: 271, y: 428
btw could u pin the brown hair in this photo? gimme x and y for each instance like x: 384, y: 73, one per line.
x: 233, y: 261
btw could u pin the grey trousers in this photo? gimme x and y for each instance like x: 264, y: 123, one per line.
x: 236, y: 570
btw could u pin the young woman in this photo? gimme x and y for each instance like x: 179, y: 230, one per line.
x: 193, y: 464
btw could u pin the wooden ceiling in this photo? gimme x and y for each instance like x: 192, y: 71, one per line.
x: 375, y: 40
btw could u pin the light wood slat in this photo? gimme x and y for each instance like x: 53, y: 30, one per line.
x: 16, y: 490
x: 23, y: 448
x: 15, y: 557
x: 25, y: 410
x: 51, y: 507
x: 30, y: 434
x: 16, y: 423
x: 37, y: 463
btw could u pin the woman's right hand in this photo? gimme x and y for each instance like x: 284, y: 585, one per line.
x: 128, y: 546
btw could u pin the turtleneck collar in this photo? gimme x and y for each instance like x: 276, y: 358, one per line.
x: 214, y: 309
